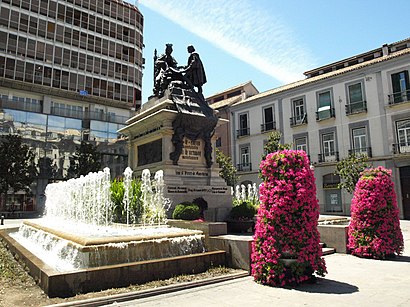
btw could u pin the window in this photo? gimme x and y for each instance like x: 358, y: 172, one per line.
x: 328, y: 146
x: 268, y: 119
x: 324, y: 110
x: 401, y: 87
x: 243, y: 125
x: 356, y: 102
x: 359, y: 139
x: 403, y: 135
x: 301, y: 144
x: 299, y: 115
x: 245, y: 159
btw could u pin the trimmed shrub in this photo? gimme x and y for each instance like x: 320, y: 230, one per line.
x: 287, y: 220
x: 186, y: 211
x: 202, y: 204
x: 244, y: 211
x: 374, y: 229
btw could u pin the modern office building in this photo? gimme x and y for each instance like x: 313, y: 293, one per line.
x: 360, y: 104
x: 70, y: 70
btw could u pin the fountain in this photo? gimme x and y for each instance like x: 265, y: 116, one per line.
x: 76, y: 247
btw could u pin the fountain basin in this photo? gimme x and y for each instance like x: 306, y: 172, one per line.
x: 64, y: 284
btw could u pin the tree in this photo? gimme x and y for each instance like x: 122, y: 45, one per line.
x: 349, y: 170
x: 17, y: 167
x: 273, y: 144
x: 85, y: 160
x: 228, y: 170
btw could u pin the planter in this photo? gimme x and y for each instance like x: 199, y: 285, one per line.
x: 235, y: 226
x: 287, y: 261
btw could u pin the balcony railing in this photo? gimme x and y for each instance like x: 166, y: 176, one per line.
x: 332, y: 156
x: 80, y: 114
x: 21, y: 105
x: 247, y: 167
x: 356, y: 107
x: 364, y: 151
x: 399, y: 97
x: 109, y: 117
x: 242, y: 132
x: 325, y: 113
x: 67, y: 112
x: 298, y: 120
x: 401, y: 148
x: 268, y: 126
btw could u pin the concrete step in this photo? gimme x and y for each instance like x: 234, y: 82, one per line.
x: 328, y: 251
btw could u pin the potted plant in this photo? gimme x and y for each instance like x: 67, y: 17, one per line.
x: 241, y: 217
x: 374, y: 229
x: 286, y: 249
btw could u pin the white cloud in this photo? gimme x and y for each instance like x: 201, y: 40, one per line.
x: 242, y: 29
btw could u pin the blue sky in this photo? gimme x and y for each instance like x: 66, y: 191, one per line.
x: 269, y: 42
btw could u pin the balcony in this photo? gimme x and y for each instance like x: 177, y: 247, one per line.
x: 399, y: 97
x: 67, y: 112
x: 332, y: 156
x: 21, y: 105
x: 247, y: 167
x: 269, y: 126
x: 401, y: 148
x: 93, y: 115
x: 361, y: 151
x: 356, y: 107
x: 242, y: 132
x: 298, y: 120
x: 325, y: 113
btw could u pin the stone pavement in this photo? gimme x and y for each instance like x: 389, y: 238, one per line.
x: 351, y: 281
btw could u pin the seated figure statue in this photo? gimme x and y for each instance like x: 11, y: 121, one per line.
x: 164, y: 67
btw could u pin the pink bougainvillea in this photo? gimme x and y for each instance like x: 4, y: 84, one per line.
x: 287, y: 221
x: 374, y: 229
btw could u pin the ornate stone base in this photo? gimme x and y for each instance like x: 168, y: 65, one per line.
x: 150, y: 135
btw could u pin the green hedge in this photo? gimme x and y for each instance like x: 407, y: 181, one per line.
x: 186, y: 211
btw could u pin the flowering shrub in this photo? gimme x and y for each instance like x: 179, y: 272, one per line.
x: 374, y: 229
x: 287, y: 221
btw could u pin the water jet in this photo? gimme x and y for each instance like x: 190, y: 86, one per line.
x: 76, y: 247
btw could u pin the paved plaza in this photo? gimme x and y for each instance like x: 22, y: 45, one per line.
x: 351, y: 281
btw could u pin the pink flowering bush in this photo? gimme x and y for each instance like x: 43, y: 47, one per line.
x: 287, y: 221
x: 374, y: 229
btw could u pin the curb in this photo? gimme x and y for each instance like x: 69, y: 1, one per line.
x: 123, y: 297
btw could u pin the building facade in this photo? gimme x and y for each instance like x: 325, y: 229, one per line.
x: 70, y: 70
x: 222, y: 103
x: 360, y: 104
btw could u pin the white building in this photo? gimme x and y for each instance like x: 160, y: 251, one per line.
x: 359, y: 104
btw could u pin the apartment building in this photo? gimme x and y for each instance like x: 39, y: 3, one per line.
x: 222, y: 103
x: 70, y: 70
x: 360, y: 104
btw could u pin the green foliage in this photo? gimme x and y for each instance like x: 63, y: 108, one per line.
x: 135, y: 205
x: 228, y: 170
x: 349, y: 170
x: 273, y: 144
x: 86, y: 159
x: 202, y: 204
x: 244, y: 211
x: 17, y: 168
x: 186, y: 211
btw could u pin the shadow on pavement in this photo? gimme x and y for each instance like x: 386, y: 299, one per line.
x: 398, y: 259
x: 327, y: 286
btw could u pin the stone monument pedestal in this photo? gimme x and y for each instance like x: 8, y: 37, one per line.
x: 150, y: 144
